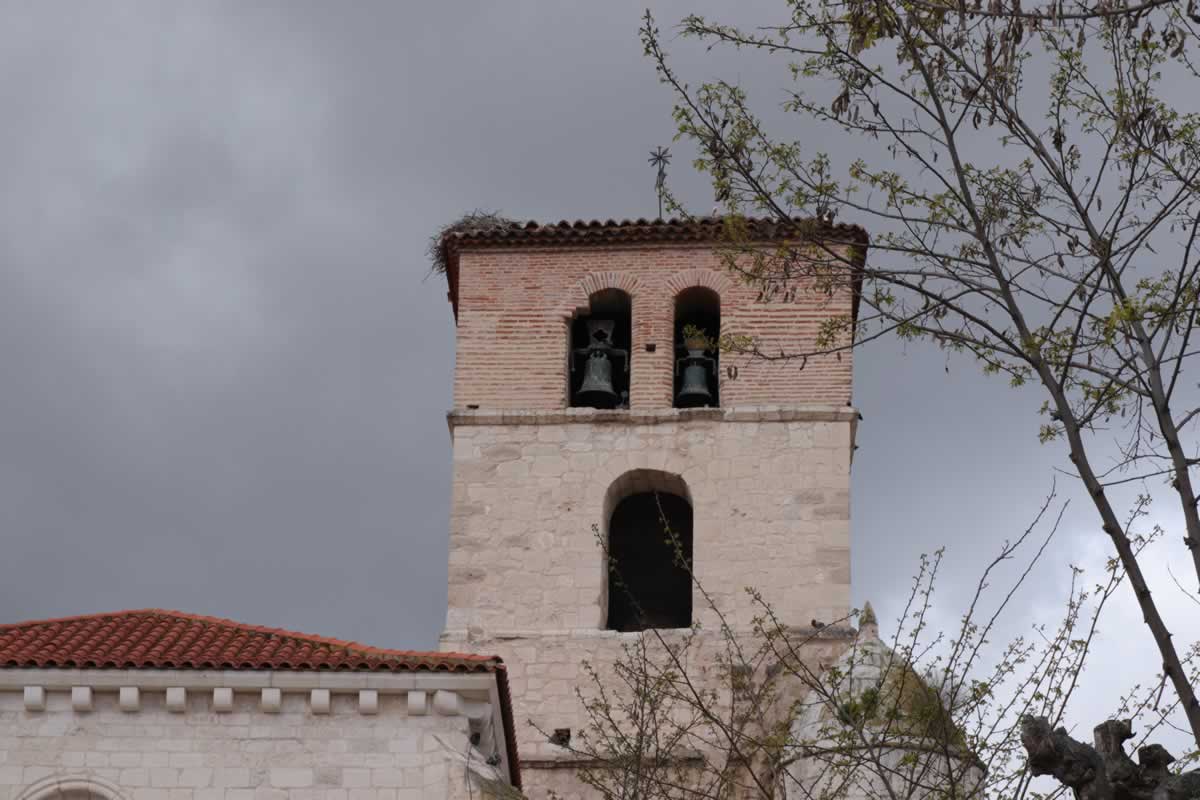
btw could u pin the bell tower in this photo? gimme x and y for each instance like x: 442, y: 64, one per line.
x: 590, y: 403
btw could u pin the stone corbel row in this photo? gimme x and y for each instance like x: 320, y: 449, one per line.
x: 129, y: 699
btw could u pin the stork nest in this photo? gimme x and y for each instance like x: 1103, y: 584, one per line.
x: 471, y: 222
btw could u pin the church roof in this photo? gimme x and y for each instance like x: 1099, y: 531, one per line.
x: 593, y: 233
x: 155, y: 638
x: 161, y: 639
x: 701, y: 229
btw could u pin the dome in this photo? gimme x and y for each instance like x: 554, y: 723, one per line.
x: 876, y: 712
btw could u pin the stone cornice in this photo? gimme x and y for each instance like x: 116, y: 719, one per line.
x: 772, y: 413
x: 573, y: 762
x: 243, y: 680
x: 445, y: 694
x: 835, y: 632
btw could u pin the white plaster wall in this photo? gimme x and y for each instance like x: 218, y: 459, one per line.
x: 244, y: 754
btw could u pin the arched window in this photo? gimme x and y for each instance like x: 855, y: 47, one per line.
x: 697, y: 329
x: 599, y: 355
x: 649, y: 553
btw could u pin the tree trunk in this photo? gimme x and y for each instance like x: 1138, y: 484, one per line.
x: 1104, y: 771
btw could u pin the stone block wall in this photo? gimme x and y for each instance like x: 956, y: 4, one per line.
x: 769, y: 490
x: 546, y: 669
x: 160, y: 750
x: 515, y: 308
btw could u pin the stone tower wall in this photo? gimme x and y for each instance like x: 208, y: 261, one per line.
x: 535, y: 482
x: 532, y: 490
x: 770, y: 500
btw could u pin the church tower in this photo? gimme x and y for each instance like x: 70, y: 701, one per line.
x: 588, y: 399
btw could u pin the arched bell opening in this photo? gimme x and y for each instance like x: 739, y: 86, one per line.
x: 697, y: 357
x: 599, y: 354
x: 649, y: 553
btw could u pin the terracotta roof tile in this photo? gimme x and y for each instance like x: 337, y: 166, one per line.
x: 584, y: 233
x: 159, y: 639
x: 646, y: 230
x: 155, y: 638
x: 703, y: 228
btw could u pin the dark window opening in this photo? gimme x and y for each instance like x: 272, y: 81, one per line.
x: 600, y: 343
x: 647, y: 585
x: 697, y: 330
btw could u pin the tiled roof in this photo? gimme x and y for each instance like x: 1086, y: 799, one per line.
x: 583, y: 233
x: 647, y: 230
x: 158, y: 639
x: 155, y: 638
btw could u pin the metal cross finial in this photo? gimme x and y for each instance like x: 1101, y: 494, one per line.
x: 660, y: 157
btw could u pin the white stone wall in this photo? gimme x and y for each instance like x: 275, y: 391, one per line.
x: 921, y: 772
x: 770, y: 494
x: 546, y: 669
x: 161, y: 751
x: 770, y: 497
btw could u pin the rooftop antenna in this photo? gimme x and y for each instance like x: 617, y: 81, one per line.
x: 659, y: 158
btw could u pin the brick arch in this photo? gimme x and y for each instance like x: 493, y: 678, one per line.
x: 708, y: 278
x: 577, y: 298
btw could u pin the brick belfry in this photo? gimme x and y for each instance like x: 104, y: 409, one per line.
x: 578, y: 402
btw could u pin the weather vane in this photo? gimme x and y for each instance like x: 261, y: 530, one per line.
x: 659, y: 158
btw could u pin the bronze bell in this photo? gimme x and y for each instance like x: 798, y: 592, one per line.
x: 694, y: 391
x: 597, y: 390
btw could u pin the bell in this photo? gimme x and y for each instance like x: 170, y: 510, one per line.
x: 596, y: 390
x: 694, y: 390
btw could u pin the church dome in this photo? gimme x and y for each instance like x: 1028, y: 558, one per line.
x: 877, y: 711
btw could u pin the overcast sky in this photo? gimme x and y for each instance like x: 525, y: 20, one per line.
x: 224, y: 370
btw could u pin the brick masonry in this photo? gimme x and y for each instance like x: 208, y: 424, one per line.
x: 515, y: 307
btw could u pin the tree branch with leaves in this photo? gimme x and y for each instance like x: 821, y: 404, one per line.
x: 934, y: 711
x: 1029, y: 178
